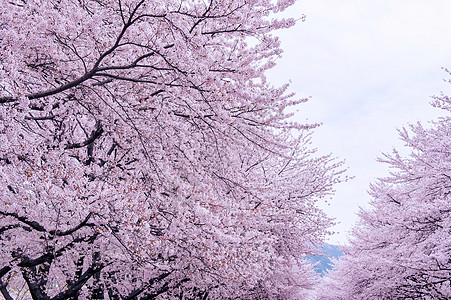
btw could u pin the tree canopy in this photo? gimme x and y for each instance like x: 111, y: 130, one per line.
x: 143, y: 153
x: 401, y: 248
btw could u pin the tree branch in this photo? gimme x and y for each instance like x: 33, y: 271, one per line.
x: 33, y: 224
x: 73, y: 289
x: 4, y: 271
x: 87, y: 75
x: 4, y: 291
x: 95, y: 134
x: 8, y: 227
x: 137, y: 292
x: 35, y: 290
x: 50, y: 255
x: 70, y: 231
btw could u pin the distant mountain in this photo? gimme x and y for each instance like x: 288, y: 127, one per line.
x: 322, y: 262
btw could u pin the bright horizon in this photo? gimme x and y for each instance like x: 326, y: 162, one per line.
x: 370, y: 68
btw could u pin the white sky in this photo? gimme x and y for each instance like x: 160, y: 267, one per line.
x: 370, y: 67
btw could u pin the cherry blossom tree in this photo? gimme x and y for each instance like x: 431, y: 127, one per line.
x: 143, y: 153
x: 401, y: 249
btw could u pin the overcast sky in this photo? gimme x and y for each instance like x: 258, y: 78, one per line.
x: 370, y: 67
